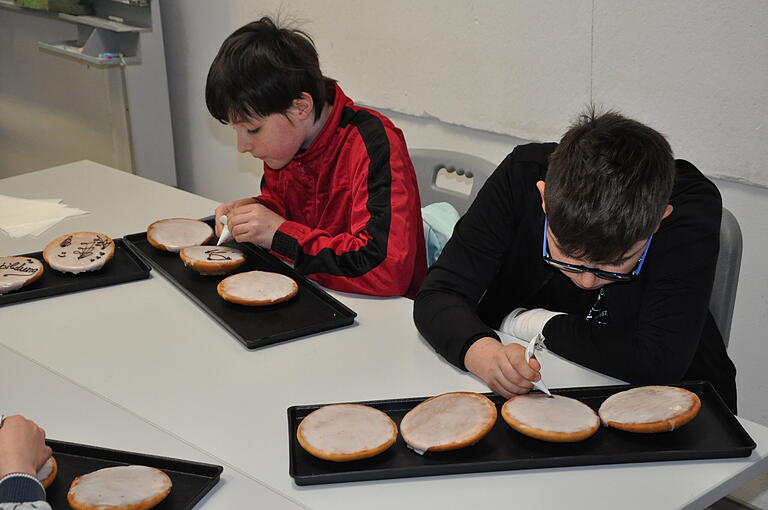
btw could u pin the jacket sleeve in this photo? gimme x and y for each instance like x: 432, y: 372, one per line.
x: 22, y: 492
x: 659, y: 344
x: 445, y: 309
x: 384, y: 246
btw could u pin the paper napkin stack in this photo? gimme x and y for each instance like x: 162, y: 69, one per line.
x: 20, y: 217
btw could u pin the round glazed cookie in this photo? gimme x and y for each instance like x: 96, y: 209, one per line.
x: 212, y: 260
x: 173, y: 234
x: 344, y: 432
x: 119, y: 488
x: 79, y: 252
x: 16, y: 272
x: 48, y: 472
x: 448, y: 421
x: 556, y: 419
x: 649, y: 409
x: 257, y: 288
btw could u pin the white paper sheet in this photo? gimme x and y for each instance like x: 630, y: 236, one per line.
x: 20, y: 217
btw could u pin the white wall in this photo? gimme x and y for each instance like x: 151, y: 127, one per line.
x: 473, y: 76
x: 694, y: 69
x: 54, y: 110
x: 206, y: 160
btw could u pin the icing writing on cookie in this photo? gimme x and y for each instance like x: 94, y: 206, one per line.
x: 80, y: 251
x: 217, y: 254
x: 18, y: 268
x: 88, y: 248
x: 15, y: 272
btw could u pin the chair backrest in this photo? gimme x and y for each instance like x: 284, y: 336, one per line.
x: 726, y: 274
x: 428, y: 162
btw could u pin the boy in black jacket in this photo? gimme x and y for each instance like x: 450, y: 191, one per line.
x: 603, y: 243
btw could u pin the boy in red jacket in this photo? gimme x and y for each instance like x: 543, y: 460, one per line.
x: 339, y: 197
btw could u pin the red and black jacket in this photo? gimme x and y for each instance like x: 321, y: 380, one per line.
x: 351, y: 202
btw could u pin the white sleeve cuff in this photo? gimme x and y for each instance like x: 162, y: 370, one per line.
x: 526, y: 324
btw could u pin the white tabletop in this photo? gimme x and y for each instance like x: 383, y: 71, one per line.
x: 69, y: 412
x: 147, y: 348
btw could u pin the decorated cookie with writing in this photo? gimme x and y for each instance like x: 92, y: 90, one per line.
x: 16, y: 272
x: 79, y: 252
x: 212, y: 259
x: 257, y: 288
x: 119, y: 488
x: 174, y: 234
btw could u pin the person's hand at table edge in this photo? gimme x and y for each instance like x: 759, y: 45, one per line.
x: 502, y: 367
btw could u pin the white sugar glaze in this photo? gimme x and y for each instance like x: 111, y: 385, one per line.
x: 122, y: 485
x: 258, y: 286
x: 79, y: 252
x: 45, y: 470
x: 557, y: 414
x: 646, y: 404
x: 444, y: 419
x: 213, y: 253
x: 178, y: 233
x: 16, y: 271
x: 346, y: 429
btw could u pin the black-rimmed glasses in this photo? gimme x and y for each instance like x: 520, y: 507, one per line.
x: 604, y: 275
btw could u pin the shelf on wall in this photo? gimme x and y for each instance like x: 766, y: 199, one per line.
x: 70, y: 49
x: 106, y: 24
x: 93, y: 21
x: 101, y: 41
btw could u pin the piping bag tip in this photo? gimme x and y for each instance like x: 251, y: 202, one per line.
x: 532, y: 345
x: 225, y: 235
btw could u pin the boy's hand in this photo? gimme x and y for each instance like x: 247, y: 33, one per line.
x: 254, y: 223
x: 502, y: 367
x: 22, y: 446
x: 227, y: 209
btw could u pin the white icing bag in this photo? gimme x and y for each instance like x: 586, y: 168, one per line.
x: 534, y: 344
x: 225, y: 235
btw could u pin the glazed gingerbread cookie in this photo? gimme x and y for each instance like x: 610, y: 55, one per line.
x: 345, y: 432
x: 119, y: 488
x: 257, y: 288
x: 448, y: 421
x: 16, y: 272
x: 212, y: 260
x: 556, y: 419
x: 649, y: 409
x: 48, y: 472
x: 79, y: 252
x: 174, y: 234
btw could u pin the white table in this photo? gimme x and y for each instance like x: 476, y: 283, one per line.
x: 70, y: 412
x: 145, y: 347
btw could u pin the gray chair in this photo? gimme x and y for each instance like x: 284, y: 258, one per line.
x: 726, y: 274
x: 428, y: 162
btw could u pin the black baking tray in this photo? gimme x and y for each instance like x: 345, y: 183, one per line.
x: 191, y: 480
x: 312, y: 310
x: 125, y: 266
x: 714, y: 433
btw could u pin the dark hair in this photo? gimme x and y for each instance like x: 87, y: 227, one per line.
x: 260, y: 69
x: 607, y: 186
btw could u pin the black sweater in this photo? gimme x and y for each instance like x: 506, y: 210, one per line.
x: 661, y: 331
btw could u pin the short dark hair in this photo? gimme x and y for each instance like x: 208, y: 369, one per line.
x: 260, y: 69
x: 607, y: 186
